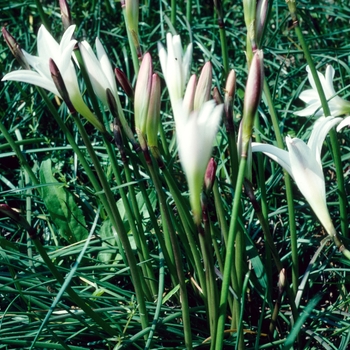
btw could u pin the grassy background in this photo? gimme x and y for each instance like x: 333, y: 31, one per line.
x: 27, y: 287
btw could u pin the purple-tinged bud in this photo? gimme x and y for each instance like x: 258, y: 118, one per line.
x: 65, y: 14
x: 124, y: 82
x: 203, y: 89
x: 209, y: 177
x: 60, y: 85
x: 153, y: 115
x: 112, y: 104
x: 230, y: 90
x: 260, y: 21
x: 217, y: 96
x: 15, y: 48
x: 252, y: 97
x: 190, y: 93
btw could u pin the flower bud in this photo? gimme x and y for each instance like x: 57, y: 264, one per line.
x: 252, y: 97
x: 124, y: 82
x: 142, y: 93
x: 153, y: 115
x: 15, y: 48
x: 203, y: 87
x: 65, y: 14
x: 60, y: 85
x: 260, y: 21
x: 209, y: 177
x: 217, y: 97
x: 230, y: 90
x: 282, y: 281
x: 190, y: 93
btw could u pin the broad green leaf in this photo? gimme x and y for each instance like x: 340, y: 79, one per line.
x: 108, y: 241
x: 61, y: 205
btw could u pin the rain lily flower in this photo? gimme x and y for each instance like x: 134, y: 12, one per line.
x: 337, y: 105
x: 195, y: 133
x: 175, y: 66
x: 303, y: 163
x: 102, y: 78
x: 61, y: 53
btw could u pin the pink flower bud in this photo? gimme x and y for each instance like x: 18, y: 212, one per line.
x: 15, y: 48
x: 124, y: 82
x: 209, y: 177
x: 252, y: 97
x: 65, y: 14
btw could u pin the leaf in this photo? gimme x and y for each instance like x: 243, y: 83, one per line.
x: 108, y: 242
x: 60, y: 203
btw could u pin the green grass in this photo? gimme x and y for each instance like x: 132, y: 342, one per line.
x: 38, y: 253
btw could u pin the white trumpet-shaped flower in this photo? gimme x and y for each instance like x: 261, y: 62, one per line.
x: 61, y: 53
x: 196, y: 132
x: 337, y: 105
x: 303, y: 163
x: 175, y: 66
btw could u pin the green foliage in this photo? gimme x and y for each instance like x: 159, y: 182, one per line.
x: 135, y: 211
x: 61, y: 205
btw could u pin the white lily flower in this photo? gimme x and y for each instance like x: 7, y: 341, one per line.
x: 102, y: 78
x: 303, y: 163
x: 337, y: 105
x: 61, y: 54
x: 175, y: 66
x: 196, y: 132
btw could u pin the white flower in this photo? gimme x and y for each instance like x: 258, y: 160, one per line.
x: 102, y: 77
x: 303, y: 163
x: 195, y: 132
x: 61, y: 53
x: 337, y: 105
x: 175, y: 66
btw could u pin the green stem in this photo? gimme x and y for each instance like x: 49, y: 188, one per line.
x: 289, y: 192
x: 178, y: 258
x: 118, y: 225
x: 42, y: 15
x: 230, y: 258
x: 173, y: 12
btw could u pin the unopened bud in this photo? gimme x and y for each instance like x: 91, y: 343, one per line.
x: 217, y: 96
x: 65, y: 14
x: 142, y: 93
x: 282, y: 281
x: 209, y: 177
x: 60, y: 85
x: 131, y: 14
x: 203, y: 87
x: 124, y: 82
x: 252, y: 97
x: 230, y: 90
x: 153, y: 115
x: 15, y: 48
x: 260, y: 21
x: 190, y: 93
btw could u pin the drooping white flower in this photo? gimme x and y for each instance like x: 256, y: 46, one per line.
x: 48, y: 48
x: 303, y: 163
x: 175, y: 66
x: 337, y: 105
x: 195, y: 133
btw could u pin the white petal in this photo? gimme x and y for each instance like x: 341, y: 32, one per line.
x: 309, y: 178
x: 278, y: 155
x: 67, y: 36
x: 345, y: 122
x: 318, y: 134
x: 47, y: 45
x: 106, y: 66
x: 30, y: 77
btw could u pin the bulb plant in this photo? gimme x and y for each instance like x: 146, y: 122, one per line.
x: 162, y: 182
